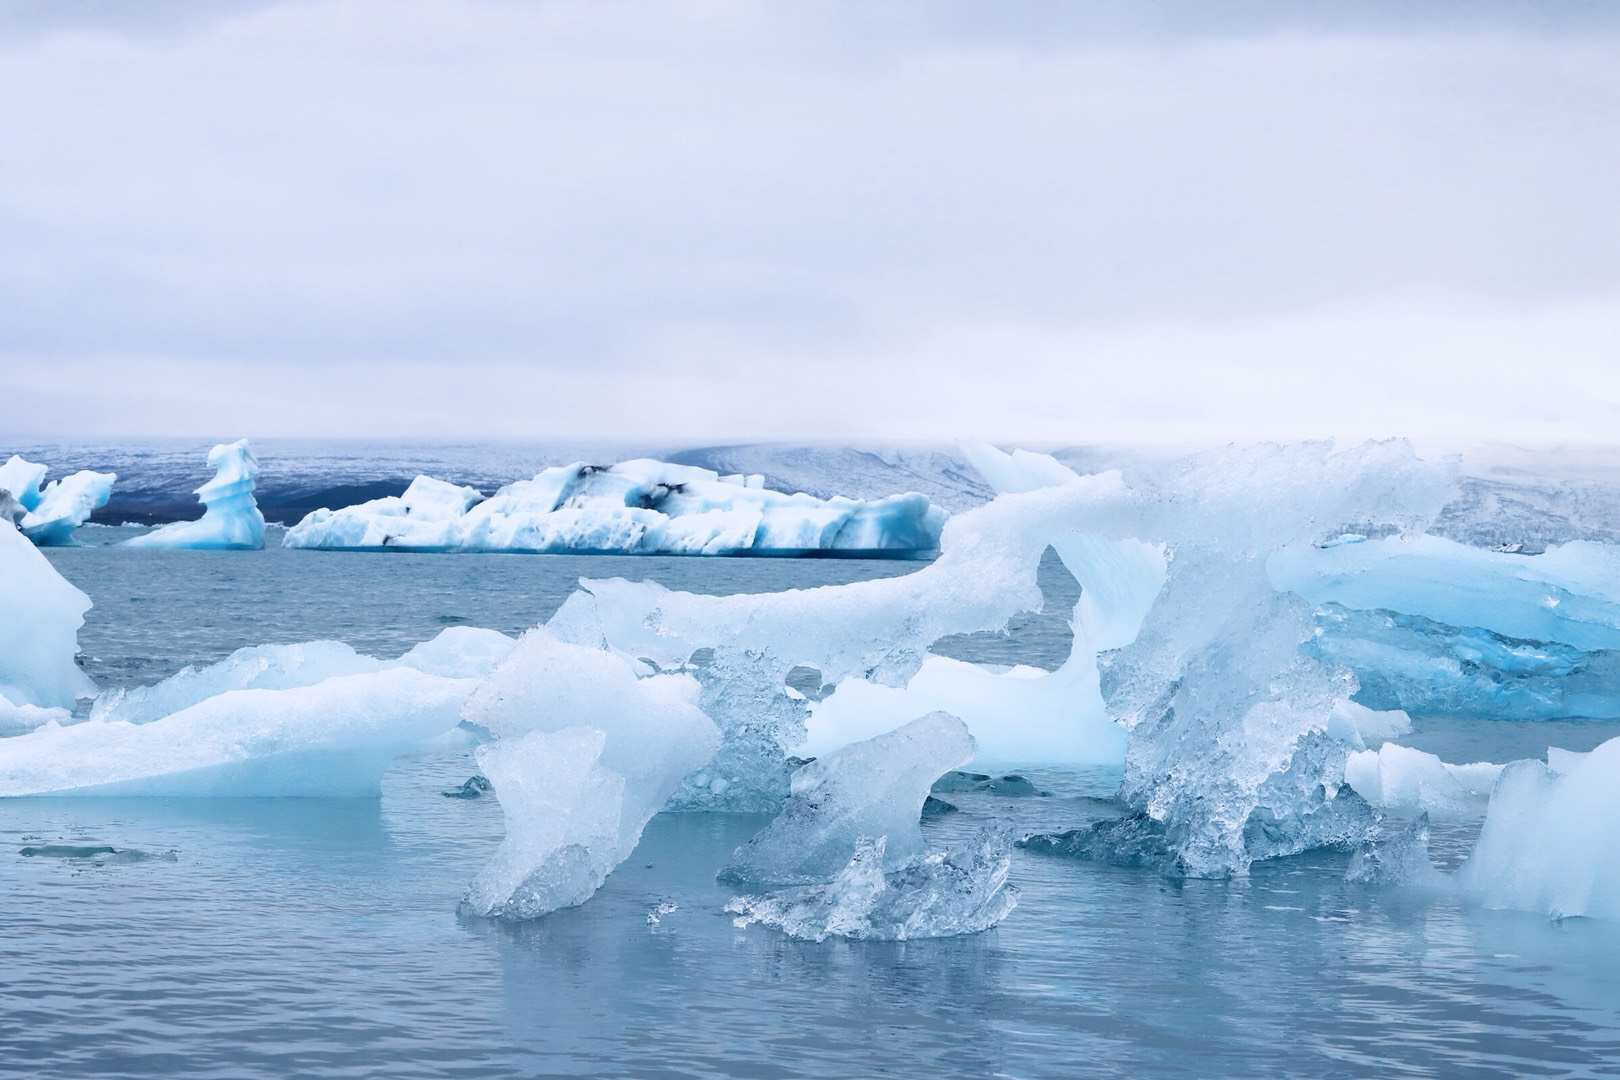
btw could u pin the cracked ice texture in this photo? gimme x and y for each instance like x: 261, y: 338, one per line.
x: 872, y: 789
x: 231, y: 519
x: 583, y: 753
x: 1548, y: 844
x: 39, y: 630
x: 635, y: 507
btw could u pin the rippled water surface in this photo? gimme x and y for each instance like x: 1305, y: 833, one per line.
x: 320, y: 937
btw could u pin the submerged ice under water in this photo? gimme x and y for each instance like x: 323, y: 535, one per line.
x: 320, y: 935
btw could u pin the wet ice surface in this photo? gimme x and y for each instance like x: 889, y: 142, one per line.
x: 321, y: 936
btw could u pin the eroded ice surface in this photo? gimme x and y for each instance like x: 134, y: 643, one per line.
x: 231, y: 519
x: 40, y: 616
x: 583, y: 753
x: 873, y: 789
x: 1400, y: 778
x: 634, y: 507
x: 66, y: 504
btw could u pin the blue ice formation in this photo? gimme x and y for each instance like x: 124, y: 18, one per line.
x: 1433, y: 626
x: 231, y: 519
x: 637, y: 507
x: 50, y: 514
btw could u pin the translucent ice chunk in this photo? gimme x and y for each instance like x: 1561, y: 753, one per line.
x: 942, y: 894
x: 1395, y: 777
x: 874, y: 788
x: 66, y: 504
x: 583, y: 754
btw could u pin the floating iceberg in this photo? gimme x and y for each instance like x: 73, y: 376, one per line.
x: 1548, y: 844
x: 874, y: 789
x: 40, y: 616
x: 334, y: 738
x: 231, y: 520
x: 583, y: 754
x: 942, y: 894
x: 636, y: 507
x: 52, y: 514
x: 1399, y: 778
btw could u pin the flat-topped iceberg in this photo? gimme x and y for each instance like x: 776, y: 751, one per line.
x: 231, y: 519
x: 638, y: 507
x: 52, y: 513
x: 40, y: 616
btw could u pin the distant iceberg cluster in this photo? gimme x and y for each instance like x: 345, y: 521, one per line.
x: 48, y: 515
x: 231, y: 520
x: 1250, y: 625
x: 639, y: 507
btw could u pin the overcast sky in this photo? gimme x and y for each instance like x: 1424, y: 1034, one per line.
x: 719, y: 220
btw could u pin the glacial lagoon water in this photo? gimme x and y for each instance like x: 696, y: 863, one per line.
x: 320, y: 937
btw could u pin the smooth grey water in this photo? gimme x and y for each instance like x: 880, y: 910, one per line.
x: 320, y: 937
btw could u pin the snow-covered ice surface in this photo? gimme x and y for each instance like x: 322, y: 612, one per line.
x: 635, y: 507
x: 231, y: 519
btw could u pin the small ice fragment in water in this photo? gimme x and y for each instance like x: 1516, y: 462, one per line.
x: 664, y: 907
x: 941, y: 894
x: 933, y: 808
x: 1401, y: 859
x: 473, y: 788
x: 97, y: 853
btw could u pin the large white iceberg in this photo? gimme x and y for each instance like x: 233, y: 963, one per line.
x: 231, y: 519
x: 52, y: 513
x: 1549, y: 841
x: 583, y: 753
x: 40, y: 616
x: 635, y: 507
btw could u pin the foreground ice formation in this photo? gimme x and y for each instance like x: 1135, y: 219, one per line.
x: 635, y: 507
x: 316, y: 719
x: 40, y: 616
x: 874, y: 788
x: 941, y: 894
x: 231, y: 519
x: 51, y: 514
x: 1229, y: 755
x: 583, y: 753
x: 1549, y: 841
